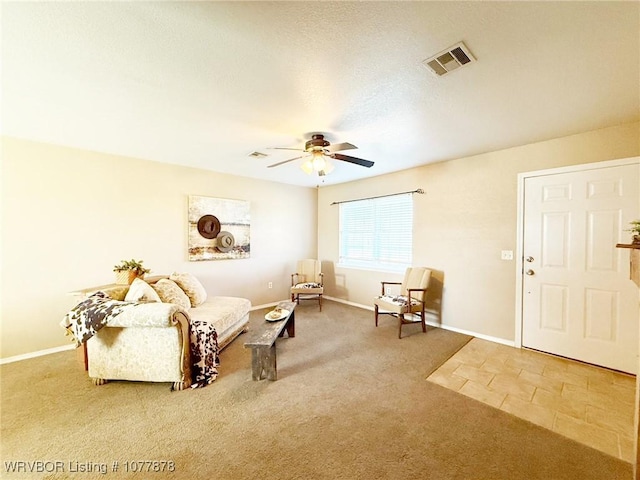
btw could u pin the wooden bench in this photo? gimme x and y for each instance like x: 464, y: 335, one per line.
x: 263, y: 343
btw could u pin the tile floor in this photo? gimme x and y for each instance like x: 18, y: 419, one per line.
x: 589, y: 404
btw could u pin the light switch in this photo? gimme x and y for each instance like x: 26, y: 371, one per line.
x: 506, y: 255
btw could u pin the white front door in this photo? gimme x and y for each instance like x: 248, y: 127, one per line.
x: 577, y: 299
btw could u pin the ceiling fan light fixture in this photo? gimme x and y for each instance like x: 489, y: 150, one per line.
x: 328, y: 166
x: 317, y: 162
x: 318, y: 153
x: 307, y: 166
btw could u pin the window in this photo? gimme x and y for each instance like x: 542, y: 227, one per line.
x: 377, y: 233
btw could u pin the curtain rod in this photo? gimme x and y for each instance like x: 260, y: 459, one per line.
x: 419, y: 190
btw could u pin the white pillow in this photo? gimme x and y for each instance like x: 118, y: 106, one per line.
x: 141, y: 291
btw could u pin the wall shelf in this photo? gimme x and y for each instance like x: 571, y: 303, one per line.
x: 635, y: 276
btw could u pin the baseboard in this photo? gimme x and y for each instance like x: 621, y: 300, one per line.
x: 39, y: 353
x: 482, y: 336
x: 489, y: 338
x: 502, y: 341
x: 267, y: 305
x: 48, y: 351
x: 346, y: 302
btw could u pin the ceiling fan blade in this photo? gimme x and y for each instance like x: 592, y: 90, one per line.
x: 357, y: 161
x: 285, y: 148
x: 341, y: 146
x: 285, y: 161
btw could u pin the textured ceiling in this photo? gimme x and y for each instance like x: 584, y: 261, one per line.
x: 205, y: 84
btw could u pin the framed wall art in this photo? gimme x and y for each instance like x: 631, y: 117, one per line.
x: 219, y: 228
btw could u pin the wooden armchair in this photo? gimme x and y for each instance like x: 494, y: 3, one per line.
x: 307, y: 282
x: 410, y: 300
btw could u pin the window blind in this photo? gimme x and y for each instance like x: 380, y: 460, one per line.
x: 377, y: 233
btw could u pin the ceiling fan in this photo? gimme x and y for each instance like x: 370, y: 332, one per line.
x: 317, y: 151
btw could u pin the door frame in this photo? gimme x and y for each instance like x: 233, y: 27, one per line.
x: 520, y: 223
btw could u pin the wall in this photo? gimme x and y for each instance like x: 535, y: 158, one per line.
x: 68, y: 216
x: 462, y: 222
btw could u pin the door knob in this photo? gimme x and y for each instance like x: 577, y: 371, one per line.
x: 529, y: 259
x: 530, y: 272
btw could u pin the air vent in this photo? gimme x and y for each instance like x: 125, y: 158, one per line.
x: 258, y: 154
x: 449, y: 60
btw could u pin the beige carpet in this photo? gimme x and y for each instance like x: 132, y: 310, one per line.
x: 351, y: 402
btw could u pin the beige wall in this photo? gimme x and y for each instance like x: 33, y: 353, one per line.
x: 462, y: 222
x: 68, y: 216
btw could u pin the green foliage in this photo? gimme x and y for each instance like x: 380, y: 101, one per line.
x: 635, y: 227
x: 131, y: 265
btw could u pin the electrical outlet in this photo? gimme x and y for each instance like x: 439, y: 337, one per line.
x: 270, y: 284
x: 506, y: 255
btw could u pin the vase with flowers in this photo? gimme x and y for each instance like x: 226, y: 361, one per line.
x: 635, y: 231
x: 128, y: 270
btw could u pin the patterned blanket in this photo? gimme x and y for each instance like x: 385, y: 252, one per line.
x: 204, y: 353
x: 92, y: 314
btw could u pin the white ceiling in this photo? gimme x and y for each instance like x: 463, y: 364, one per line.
x: 205, y: 84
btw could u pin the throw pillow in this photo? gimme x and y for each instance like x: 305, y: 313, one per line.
x: 170, y: 292
x: 191, y: 286
x: 141, y: 291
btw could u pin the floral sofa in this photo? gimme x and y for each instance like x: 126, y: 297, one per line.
x: 154, y: 341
